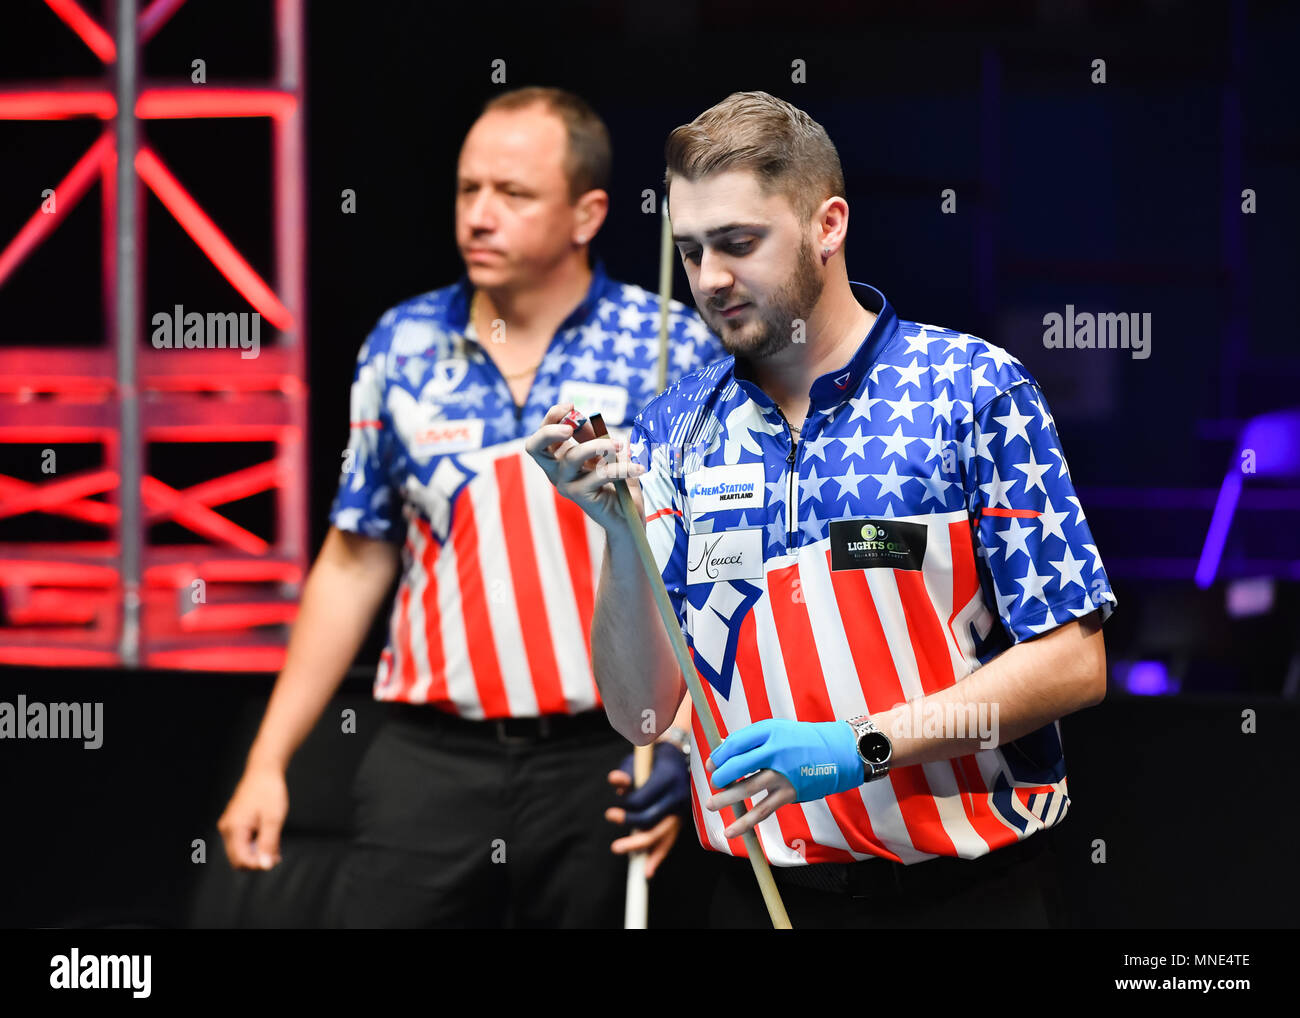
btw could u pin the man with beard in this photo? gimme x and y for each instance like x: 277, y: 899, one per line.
x: 485, y: 800
x: 869, y: 533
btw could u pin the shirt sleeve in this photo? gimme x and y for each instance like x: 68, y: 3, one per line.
x: 366, y: 502
x: 1032, y: 537
x: 662, y: 496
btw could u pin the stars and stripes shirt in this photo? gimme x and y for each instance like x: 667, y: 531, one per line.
x: 923, y: 522
x: 499, y: 571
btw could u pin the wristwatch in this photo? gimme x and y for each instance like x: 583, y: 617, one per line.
x: 874, y: 748
x: 679, y: 738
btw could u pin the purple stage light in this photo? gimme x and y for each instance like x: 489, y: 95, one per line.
x: 1147, y: 678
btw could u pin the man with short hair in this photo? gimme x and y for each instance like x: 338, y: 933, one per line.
x: 869, y: 533
x: 482, y: 802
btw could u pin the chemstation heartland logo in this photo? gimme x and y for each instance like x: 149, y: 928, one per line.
x: 724, y: 490
x: 735, y: 487
x: 877, y: 544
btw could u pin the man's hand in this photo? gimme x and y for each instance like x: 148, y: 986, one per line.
x: 582, y: 466
x: 655, y: 808
x: 794, y: 761
x: 251, y: 824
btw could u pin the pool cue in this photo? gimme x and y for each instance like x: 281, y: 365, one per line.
x: 636, y: 904
x: 634, y: 912
x: 762, y: 872
x: 665, y: 291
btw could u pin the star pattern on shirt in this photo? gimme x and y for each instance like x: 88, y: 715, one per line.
x: 1015, y: 423
x: 1033, y: 584
x: 904, y: 406
x: 897, y: 443
x: 421, y: 346
x: 946, y: 372
x: 997, y: 491
x: 854, y: 443
x: 1070, y: 569
x: 1016, y: 538
x: 1033, y: 473
x: 910, y: 375
x: 935, y: 486
x: 941, y: 422
x: 891, y: 482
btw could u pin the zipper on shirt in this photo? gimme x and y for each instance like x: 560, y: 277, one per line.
x: 791, y: 504
x: 518, y: 407
x: 553, y: 345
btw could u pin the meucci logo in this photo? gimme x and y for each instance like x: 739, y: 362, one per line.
x: 53, y: 721
x: 876, y: 544
x: 712, y: 563
x: 181, y: 330
x: 729, y: 555
x: 1112, y: 331
x: 817, y: 770
x: 75, y: 971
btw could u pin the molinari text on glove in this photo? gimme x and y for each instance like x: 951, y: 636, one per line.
x: 35, y: 720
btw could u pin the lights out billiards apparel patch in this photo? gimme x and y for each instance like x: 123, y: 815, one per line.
x: 877, y: 544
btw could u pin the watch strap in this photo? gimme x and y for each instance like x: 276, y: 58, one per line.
x: 863, y: 725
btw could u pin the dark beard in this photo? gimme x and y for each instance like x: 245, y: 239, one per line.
x: 795, y: 299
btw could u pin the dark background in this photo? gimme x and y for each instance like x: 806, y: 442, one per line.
x: 1117, y: 197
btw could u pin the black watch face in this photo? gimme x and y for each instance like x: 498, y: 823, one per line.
x: 874, y: 747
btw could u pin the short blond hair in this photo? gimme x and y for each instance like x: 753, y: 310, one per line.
x: 589, y: 155
x: 789, y: 151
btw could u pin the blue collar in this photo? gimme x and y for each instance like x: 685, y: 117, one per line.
x: 834, y: 387
x: 463, y: 292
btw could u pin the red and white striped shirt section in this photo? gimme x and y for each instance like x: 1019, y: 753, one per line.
x: 492, y: 621
x: 861, y: 642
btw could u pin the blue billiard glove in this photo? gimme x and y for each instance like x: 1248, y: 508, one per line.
x: 667, y: 790
x: 819, y: 758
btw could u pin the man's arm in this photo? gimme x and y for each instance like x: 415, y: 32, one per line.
x: 630, y: 654
x: 346, y: 586
x: 1021, y: 690
x: 1030, y: 685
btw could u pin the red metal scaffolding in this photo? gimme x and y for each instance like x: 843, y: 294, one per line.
x: 122, y: 601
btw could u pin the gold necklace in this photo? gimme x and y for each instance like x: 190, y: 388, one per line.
x: 520, y: 374
x: 473, y: 313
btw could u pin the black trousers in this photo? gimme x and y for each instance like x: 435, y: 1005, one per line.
x: 456, y: 827
x: 1020, y: 891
